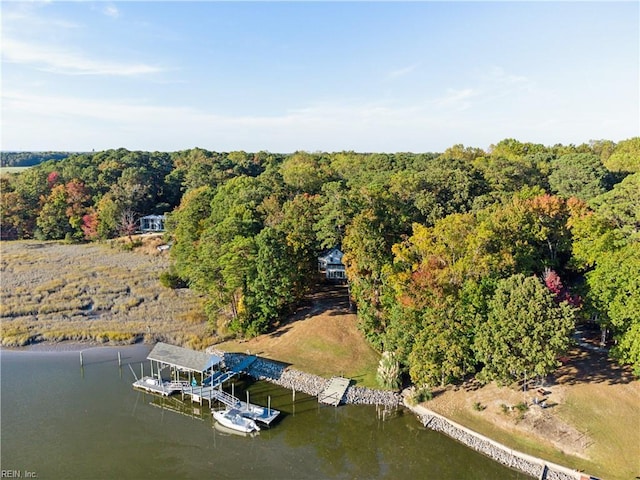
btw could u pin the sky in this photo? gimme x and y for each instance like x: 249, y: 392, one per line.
x: 415, y: 76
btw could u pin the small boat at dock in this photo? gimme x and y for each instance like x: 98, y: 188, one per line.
x: 231, y: 418
x: 230, y: 431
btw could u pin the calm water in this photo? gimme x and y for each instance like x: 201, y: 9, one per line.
x: 61, y: 421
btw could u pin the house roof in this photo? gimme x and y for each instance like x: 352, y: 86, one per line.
x: 183, y: 358
x: 333, y: 256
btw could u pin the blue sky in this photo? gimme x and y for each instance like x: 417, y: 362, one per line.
x: 316, y: 76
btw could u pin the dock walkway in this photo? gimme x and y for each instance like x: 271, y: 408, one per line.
x: 333, y: 393
x: 221, y: 377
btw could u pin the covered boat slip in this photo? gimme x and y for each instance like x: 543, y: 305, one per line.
x: 211, y: 377
x: 184, y: 360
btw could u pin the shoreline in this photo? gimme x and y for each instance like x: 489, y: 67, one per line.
x: 522, y: 462
x: 297, y: 380
x: 68, y: 346
x: 287, y: 377
x: 293, y: 379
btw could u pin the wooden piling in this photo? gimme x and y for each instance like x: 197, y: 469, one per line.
x: 119, y: 359
x: 269, y: 406
x: 81, y: 362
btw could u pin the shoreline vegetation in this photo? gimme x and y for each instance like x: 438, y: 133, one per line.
x: 592, y: 395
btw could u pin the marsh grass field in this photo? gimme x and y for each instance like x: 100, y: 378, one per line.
x: 53, y: 292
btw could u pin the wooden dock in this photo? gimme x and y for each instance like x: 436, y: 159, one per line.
x: 333, y: 393
x: 153, y: 385
x: 210, y: 390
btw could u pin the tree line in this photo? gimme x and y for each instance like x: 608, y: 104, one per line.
x: 460, y: 262
x: 29, y: 159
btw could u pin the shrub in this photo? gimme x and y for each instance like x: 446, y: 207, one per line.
x: 388, y: 375
x: 479, y: 407
x: 421, y: 395
x: 522, y: 409
x: 170, y: 279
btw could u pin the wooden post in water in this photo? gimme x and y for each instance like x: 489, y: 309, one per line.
x: 119, y: 359
x: 247, y: 399
x: 81, y: 362
x: 269, y: 406
x: 294, y: 394
x: 233, y: 389
x: 141, y: 370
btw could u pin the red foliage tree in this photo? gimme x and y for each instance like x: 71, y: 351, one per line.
x: 52, y: 179
x: 90, y: 225
x: 560, y: 292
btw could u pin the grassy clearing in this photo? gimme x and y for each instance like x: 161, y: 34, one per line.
x: 324, y: 340
x: 6, y: 170
x: 609, y: 412
x: 593, y: 424
x: 55, y: 292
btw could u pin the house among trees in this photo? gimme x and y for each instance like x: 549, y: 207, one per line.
x: 152, y: 223
x: 330, y: 264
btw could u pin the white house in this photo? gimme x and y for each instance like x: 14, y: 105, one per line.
x: 152, y: 223
x: 330, y: 263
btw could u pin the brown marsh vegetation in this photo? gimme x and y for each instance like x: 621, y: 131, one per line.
x: 52, y: 292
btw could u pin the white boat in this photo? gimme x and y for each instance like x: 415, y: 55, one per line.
x: 232, y: 419
x: 229, y: 431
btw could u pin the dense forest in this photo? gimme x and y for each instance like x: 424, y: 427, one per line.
x: 464, y: 262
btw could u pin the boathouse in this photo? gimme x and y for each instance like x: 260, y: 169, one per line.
x: 183, y: 360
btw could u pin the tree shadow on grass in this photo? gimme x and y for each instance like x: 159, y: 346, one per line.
x: 325, y: 298
x: 588, y: 366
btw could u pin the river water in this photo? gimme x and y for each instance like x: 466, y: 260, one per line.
x: 61, y: 421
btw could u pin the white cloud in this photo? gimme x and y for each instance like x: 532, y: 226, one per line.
x: 24, y: 16
x: 64, y: 61
x: 111, y: 11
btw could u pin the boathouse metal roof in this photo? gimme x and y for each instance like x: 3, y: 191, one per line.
x: 183, y: 358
